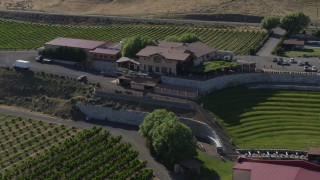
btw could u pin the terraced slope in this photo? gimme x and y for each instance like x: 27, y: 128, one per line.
x: 268, y: 118
x: 17, y: 35
x: 24, y: 139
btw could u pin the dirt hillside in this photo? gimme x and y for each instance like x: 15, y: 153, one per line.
x: 164, y: 7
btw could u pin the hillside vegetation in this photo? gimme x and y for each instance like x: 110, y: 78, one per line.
x: 164, y: 7
x: 18, y: 35
x: 42, y: 92
x: 268, y: 118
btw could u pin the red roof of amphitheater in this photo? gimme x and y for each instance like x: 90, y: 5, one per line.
x: 279, y: 169
x: 75, y: 43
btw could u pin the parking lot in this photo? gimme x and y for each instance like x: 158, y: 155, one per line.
x: 264, y: 62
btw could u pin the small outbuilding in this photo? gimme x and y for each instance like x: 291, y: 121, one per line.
x: 314, y: 155
x: 293, y: 44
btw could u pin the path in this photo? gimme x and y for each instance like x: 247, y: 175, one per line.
x: 271, y: 43
x: 128, y: 133
x: 229, y: 148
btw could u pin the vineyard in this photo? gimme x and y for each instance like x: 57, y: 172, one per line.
x: 36, y: 150
x: 20, y: 35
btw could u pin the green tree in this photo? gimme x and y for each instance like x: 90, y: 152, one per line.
x: 131, y: 46
x: 316, y: 33
x: 185, y: 38
x: 270, y: 22
x: 170, y: 140
x: 153, y: 120
x: 294, y: 23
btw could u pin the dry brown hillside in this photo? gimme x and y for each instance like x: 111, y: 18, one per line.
x: 163, y: 7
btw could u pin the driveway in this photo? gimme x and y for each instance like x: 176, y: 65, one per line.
x: 128, y: 133
x: 7, y: 58
x: 271, y: 43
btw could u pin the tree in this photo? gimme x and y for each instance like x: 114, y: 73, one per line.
x: 185, y: 38
x: 316, y: 33
x: 170, y: 140
x: 294, y: 23
x: 131, y: 46
x: 270, y: 22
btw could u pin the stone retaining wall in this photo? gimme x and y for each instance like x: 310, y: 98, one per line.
x: 222, y: 82
x: 131, y: 117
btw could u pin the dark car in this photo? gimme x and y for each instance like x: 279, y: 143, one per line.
x: 275, y: 59
x: 82, y: 78
x: 39, y: 58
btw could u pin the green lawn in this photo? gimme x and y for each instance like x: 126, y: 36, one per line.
x: 267, y: 118
x: 213, y: 66
x: 308, y: 51
x: 215, y: 169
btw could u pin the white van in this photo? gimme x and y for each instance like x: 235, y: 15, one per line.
x: 21, y: 64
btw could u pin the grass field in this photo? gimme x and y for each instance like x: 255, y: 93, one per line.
x: 18, y: 35
x: 33, y: 149
x: 268, y: 118
x: 308, y: 51
x: 214, y: 169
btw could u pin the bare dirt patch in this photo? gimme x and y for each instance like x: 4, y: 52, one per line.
x: 163, y: 7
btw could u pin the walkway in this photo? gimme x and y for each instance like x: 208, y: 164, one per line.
x: 229, y: 148
x: 271, y: 43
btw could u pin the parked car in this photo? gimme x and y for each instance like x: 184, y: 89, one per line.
x: 280, y: 61
x: 306, y: 63
x: 82, y: 78
x: 292, y: 60
x: 41, y: 59
x: 314, y: 69
x: 285, y: 62
x: 21, y: 64
x: 300, y: 63
x: 275, y: 59
x: 306, y: 68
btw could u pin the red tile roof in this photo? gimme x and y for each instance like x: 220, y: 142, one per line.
x: 279, y: 169
x: 106, y: 51
x: 75, y: 43
x: 197, y: 48
x: 167, y: 53
x: 314, y: 151
x: 293, y: 42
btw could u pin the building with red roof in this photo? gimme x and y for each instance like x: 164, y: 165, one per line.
x: 258, y: 169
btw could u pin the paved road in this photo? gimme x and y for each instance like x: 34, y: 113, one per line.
x: 7, y: 58
x: 129, y: 134
x: 271, y: 43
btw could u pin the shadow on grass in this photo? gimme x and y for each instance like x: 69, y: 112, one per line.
x: 229, y: 104
x: 209, y: 174
x: 304, y: 50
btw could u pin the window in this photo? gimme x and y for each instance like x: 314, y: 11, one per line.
x: 150, y: 68
x: 144, y: 67
x: 170, y: 71
x: 157, y: 69
x: 208, y: 55
x: 157, y: 59
x: 164, y: 70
